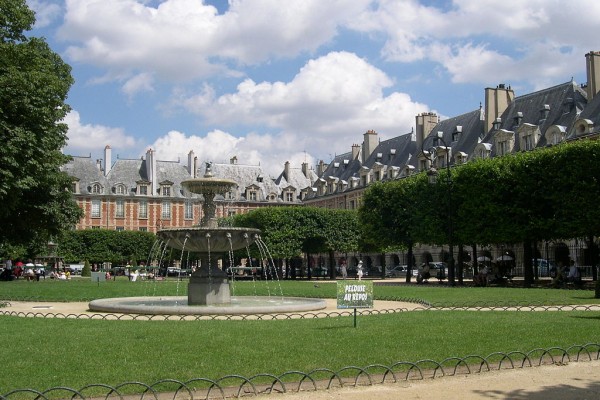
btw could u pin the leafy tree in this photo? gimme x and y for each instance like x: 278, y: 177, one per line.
x: 388, y: 215
x: 86, y: 271
x: 100, y: 245
x: 290, y: 231
x: 34, y: 82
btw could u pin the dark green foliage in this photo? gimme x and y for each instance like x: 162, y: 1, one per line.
x: 100, y: 245
x: 289, y: 231
x: 34, y: 83
x: 548, y: 194
x: 86, y: 271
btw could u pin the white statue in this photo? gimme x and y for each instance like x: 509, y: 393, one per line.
x: 359, y: 272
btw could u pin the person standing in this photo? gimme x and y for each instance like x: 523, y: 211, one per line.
x: 344, y: 269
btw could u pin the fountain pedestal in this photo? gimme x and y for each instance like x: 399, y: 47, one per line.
x: 208, y: 286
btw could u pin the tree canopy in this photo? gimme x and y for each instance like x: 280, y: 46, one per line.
x: 290, y: 231
x: 546, y: 194
x: 34, y: 83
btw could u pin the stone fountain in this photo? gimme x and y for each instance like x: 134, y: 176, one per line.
x: 208, y: 284
x: 208, y: 289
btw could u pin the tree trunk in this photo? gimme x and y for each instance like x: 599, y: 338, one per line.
x: 409, y: 263
x: 527, y: 264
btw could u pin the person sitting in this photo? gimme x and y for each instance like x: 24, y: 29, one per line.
x: 574, y: 274
x: 481, y: 277
x: 424, y: 273
x: 29, y: 274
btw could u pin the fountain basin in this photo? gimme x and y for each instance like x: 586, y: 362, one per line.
x: 178, y: 305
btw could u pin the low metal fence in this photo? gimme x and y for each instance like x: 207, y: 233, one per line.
x: 237, y: 386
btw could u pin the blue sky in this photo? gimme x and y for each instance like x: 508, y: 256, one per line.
x: 271, y: 81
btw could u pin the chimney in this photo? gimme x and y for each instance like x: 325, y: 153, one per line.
x: 286, y: 171
x: 355, y: 151
x: 190, y: 166
x: 425, y: 122
x: 107, y: 159
x: 496, y: 102
x: 322, y: 167
x: 496, y: 124
x: 305, y: 169
x: 592, y: 66
x: 195, y: 170
x: 518, y: 118
x: 151, y: 171
x: 544, y: 112
x: 369, y: 144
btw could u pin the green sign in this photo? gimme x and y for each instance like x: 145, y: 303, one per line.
x: 355, y: 295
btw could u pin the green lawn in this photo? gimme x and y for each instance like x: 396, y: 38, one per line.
x: 73, y: 353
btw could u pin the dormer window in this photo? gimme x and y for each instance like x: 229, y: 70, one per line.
x: 289, y: 196
x: 456, y: 134
x: 251, y: 194
x: 75, y: 186
x: 166, y: 189
x: 259, y: 179
x: 96, y: 188
x: 271, y: 197
x: 121, y: 189
x: 142, y: 190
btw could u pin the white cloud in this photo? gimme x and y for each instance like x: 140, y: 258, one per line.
x: 218, y: 146
x: 325, y: 106
x: 140, y: 83
x: 180, y: 40
x: 46, y: 12
x: 88, y: 137
x: 475, y: 40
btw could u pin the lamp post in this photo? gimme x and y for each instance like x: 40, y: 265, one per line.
x: 432, y: 175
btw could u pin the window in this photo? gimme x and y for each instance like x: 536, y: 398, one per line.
x: 528, y: 139
x: 143, y: 190
x: 289, y: 196
x: 96, y: 188
x: 230, y: 213
x: 166, y: 191
x: 143, y: 209
x: 96, y: 208
x: 166, y: 209
x: 143, y: 229
x: 75, y: 187
x: 502, y: 148
x: 121, y: 189
x: 189, y: 210
x: 120, y: 212
x: 120, y: 229
x: 252, y: 195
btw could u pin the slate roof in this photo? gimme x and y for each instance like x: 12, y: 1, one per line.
x: 395, y: 152
x: 472, y: 128
x: 590, y: 112
x: 87, y: 172
x: 565, y: 102
x: 296, y: 179
x: 245, y: 176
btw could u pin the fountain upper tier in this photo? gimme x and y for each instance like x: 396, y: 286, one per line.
x: 204, y: 239
x: 208, y: 185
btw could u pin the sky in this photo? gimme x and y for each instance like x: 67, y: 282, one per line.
x: 270, y: 81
